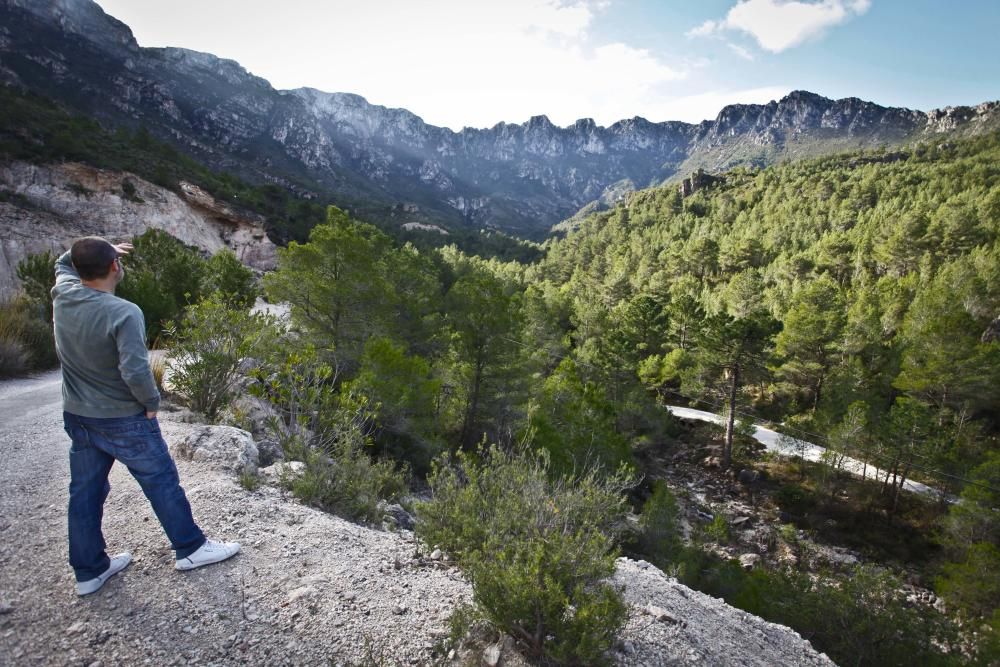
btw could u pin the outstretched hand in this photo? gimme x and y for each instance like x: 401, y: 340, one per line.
x: 123, y: 248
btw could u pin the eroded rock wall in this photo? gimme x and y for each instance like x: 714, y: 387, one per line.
x: 46, y: 207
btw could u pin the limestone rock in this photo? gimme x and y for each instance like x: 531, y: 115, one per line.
x: 282, y: 470
x: 711, y: 632
x: 226, y: 447
x: 60, y: 203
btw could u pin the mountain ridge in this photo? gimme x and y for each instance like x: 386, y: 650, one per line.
x: 387, y: 163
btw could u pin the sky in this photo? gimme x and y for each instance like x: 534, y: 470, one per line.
x: 458, y: 63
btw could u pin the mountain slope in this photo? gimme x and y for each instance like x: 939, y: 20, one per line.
x: 387, y: 164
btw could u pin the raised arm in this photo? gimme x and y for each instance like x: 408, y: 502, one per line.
x: 65, y: 271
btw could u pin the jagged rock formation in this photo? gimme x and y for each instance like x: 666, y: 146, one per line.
x: 697, y: 181
x: 47, y: 207
x: 387, y: 163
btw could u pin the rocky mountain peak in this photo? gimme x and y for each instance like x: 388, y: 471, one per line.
x: 520, y: 177
x: 81, y: 18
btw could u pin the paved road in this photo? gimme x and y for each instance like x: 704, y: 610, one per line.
x: 789, y: 446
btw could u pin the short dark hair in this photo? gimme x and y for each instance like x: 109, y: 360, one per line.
x: 92, y: 256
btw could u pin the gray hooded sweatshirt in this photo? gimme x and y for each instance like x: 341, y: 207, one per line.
x: 101, y: 342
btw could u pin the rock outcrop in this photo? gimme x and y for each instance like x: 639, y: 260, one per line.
x: 46, y: 207
x: 678, y: 626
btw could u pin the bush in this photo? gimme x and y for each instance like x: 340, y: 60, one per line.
x: 341, y: 478
x: 225, y: 275
x: 863, y: 618
x: 13, y: 357
x: 212, y: 342
x: 404, y: 398
x: 26, y: 339
x: 313, y: 426
x: 660, y: 535
x: 38, y: 276
x: 162, y: 276
x: 535, y: 548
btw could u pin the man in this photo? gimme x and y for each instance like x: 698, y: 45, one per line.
x: 110, y: 401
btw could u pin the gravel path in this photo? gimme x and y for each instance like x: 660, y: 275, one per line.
x: 308, y: 588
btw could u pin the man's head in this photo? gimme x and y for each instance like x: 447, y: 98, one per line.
x: 95, y: 259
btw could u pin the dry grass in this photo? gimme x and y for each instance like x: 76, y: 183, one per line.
x: 158, y: 364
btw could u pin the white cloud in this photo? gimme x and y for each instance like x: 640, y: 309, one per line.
x: 778, y: 25
x: 740, y: 51
x: 705, y: 29
x: 453, y: 62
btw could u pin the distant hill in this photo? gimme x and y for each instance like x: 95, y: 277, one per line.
x: 387, y: 164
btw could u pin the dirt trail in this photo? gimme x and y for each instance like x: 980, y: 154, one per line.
x: 309, y: 588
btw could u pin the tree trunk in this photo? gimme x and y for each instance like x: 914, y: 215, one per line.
x: 727, y: 448
x: 473, y: 406
x: 899, y: 489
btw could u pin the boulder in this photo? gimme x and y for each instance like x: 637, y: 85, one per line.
x: 288, y: 470
x: 396, y: 515
x: 225, y: 447
x: 748, y: 561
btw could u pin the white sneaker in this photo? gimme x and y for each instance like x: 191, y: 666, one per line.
x: 210, y: 552
x: 118, y: 563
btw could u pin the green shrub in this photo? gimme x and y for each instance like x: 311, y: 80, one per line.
x: 404, y: 398
x: 26, y: 337
x: 718, y: 530
x: 226, y: 276
x: 659, y: 538
x: 38, y: 277
x: 863, y: 618
x: 162, y: 276
x: 313, y: 425
x: 536, y: 548
x: 13, y: 357
x: 341, y: 478
x: 212, y: 342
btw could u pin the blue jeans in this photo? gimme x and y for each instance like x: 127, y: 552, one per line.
x: 137, y: 443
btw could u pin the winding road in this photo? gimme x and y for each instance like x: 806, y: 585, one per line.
x: 788, y: 446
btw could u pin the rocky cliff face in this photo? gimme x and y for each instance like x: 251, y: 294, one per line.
x: 46, y: 208
x: 521, y: 178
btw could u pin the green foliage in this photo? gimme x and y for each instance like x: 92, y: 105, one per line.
x: 38, y: 277
x: 405, y: 399
x: 484, y: 317
x: 249, y: 480
x: 26, y: 339
x: 338, y: 285
x: 212, y: 342
x: 809, y: 340
x: 576, y: 424
x: 718, y: 530
x: 972, y: 584
x: 340, y: 477
x: 535, y: 548
x: 162, y: 277
x: 971, y: 534
x: 300, y: 388
x: 227, y: 276
x: 659, y: 536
